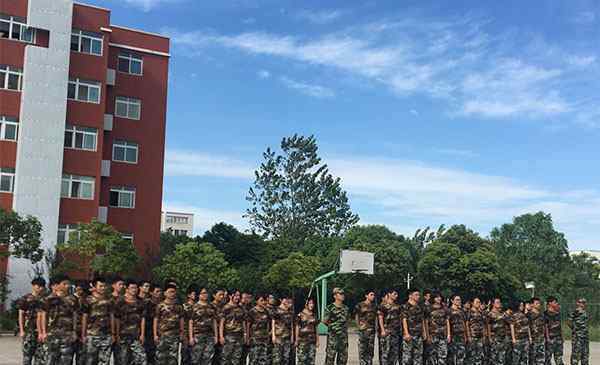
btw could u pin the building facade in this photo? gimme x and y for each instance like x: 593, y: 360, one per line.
x: 82, y: 123
x: 178, y: 224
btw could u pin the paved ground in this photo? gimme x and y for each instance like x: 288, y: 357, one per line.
x: 10, y: 351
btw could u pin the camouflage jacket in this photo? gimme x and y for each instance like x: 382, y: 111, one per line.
x: 553, y: 323
x: 392, y: 316
x: 169, y: 315
x: 579, y: 324
x: 260, y: 324
x: 30, y: 305
x: 307, y: 327
x: 337, y: 319
x: 284, y: 323
x: 497, y: 322
x: 457, y: 322
x: 234, y: 317
x: 521, y: 323
x: 98, y: 311
x: 438, y: 315
x: 537, y: 323
x: 130, y: 316
x: 203, y: 316
x: 367, y: 316
x: 414, y: 316
x: 61, y: 315
x: 476, y: 323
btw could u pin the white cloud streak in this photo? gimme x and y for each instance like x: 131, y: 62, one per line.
x: 263, y: 74
x: 320, y: 17
x: 148, y: 5
x: 189, y: 163
x: 316, y: 91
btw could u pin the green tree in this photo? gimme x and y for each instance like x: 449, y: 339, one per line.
x: 295, y: 197
x: 20, y: 237
x: 240, y: 249
x: 168, y: 242
x: 199, y: 264
x: 294, y: 273
x: 101, y: 248
x: 532, y: 250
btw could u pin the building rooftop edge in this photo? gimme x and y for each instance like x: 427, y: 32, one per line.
x: 139, y: 31
x: 172, y: 212
x: 91, y: 6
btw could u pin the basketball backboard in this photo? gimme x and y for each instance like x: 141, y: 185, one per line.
x: 352, y: 262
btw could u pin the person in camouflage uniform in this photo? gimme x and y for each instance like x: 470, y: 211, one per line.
x: 427, y: 345
x: 271, y: 306
x: 203, y: 330
x: 232, y: 330
x: 118, y: 285
x: 307, y: 339
x: 131, y: 325
x: 336, y: 319
x: 439, y: 331
x: 98, y: 324
x: 537, y: 325
x: 521, y: 337
x: 390, y: 328
x: 366, y: 320
x: 28, y: 307
x: 152, y: 300
x: 246, y: 304
x: 168, y: 327
x: 283, y: 331
x: 186, y: 349
x: 414, y: 329
x: 457, y: 349
x: 219, y: 301
x: 578, y: 322
x: 554, y: 340
x: 259, y: 331
x: 79, y: 347
x: 58, y: 321
x: 497, y: 332
x: 476, y: 325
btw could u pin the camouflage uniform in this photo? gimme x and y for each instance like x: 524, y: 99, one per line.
x: 307, y: 337
x: 337, y: 336
x: 186, y: 350
x: 427, y: 346
x: 457, y: 350
x: 367, y: 326
x: 61, y: 316
x: 98, y: 341
x: 203, y: 317
x: 554, y: 343
x: 498, y: 337
x: 392, y: 322
x: 218, y: 354
x: 169, y: 315
x: 284, y: 324
x: 79, y: 346
x: 130, y: 315
x: 537, y: 349
x: 149, y: 345
x: 521, y: 347
x: 476, y: 322
x: 259, y: 321
x: 30, y: 304
x: 580, y: 337
x: 245, y: 347
x: 233, y: 331
x: 412, y: 351
x: 438, y: 315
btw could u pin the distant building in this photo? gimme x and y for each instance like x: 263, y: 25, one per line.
x: 593, y: 253
x: 179, y: 224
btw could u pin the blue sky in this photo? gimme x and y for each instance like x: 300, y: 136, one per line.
x: 455, y: 112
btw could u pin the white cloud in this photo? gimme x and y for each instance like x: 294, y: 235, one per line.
x: 148, y: 5
x: 585, y: 17
x: 456, y: 152
x: 320, y: 17
x: 414, y: 112
x: 205, y: 218
x: 317, y: 91
x: 189, y: 163
x: 263, y: 74
x: 581, y: 61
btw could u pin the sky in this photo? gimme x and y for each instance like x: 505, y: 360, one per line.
x: 432, y: 113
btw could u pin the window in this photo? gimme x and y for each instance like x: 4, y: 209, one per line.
x: 77, y: 187
x: 130, y: 63
x: 86, y: 42
x: 124, y: 151
x: 68, y: 232
x: 13, y: 27
x: 7, y: 180
x: 81, y: 138
x: 180, y: 232
x: 8, y: 128
x: 81, y: 90
x: 128, y: 107
x: 122, y: 197
x: 127, y: 237
x: 177, y: 219
x: 11, y: 78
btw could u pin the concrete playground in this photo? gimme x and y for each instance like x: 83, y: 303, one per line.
x: 10, y: 351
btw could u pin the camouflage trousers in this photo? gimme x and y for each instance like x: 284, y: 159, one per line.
x: 218, y: 355
x: 150, y: 348
x: 336, y: 351
x: 131, y: 351
x: 167, y: 351
x: 306, y: 353
x: 457, y: 351
x: 282, y: 352
x: 554, y: 349
x: 580, y: 352
x: 59, y: 350
x: 79, y: 352
x: 390, y: 348
x: 203, y: 350
x: 232, y: 349
x: 186, y: 353
x: 520, y: 352
x: 259, y: 353
x: 32, y: 349
x: 366, y: 347
x: 498, y: 350
x: 438, y: 352
x: 380, y: 348
x: 412, y: 351
x: 476, y: 352
x: 97, y: 350
x: 245, y: 353
x: 537, y: 353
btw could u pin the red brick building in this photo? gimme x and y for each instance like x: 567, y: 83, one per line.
x: 82, y: 122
